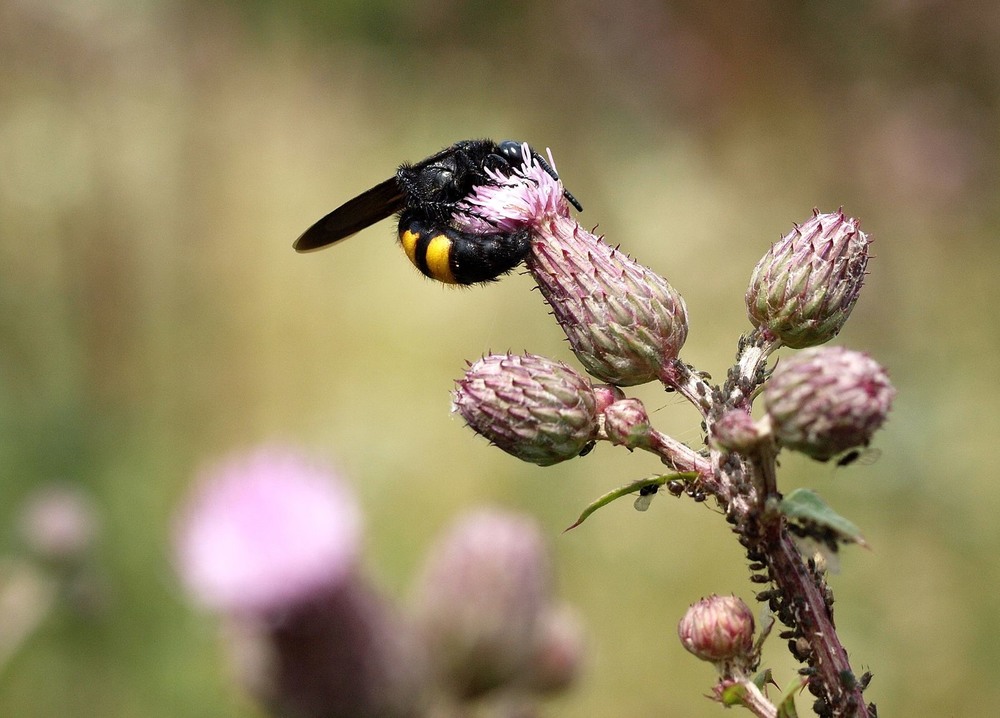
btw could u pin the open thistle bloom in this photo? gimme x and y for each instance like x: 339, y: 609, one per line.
x: 826, y: 400
x: 623, y: 321
x: 803, y: 290
x: 266, y: 530
x: 272, y: 541
x: 537, y: 409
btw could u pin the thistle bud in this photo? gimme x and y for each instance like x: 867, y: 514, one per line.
x: 626, y: 423
x: 480, y: 601
x: 607, y: 394
x: 559, y: 651
x: 623, y: 321
x: 824, y: 401
x: 803, y: 290
x: 537, y: 409
x: 719, y: 629
x: 60, y: 523
x: 735, y: 430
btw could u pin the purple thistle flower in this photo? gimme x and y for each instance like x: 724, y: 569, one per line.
x: 272, y: 540
x: 624, y: 322
x: 265, y: 530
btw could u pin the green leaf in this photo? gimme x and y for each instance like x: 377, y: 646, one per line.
x: 806, y: 506
x: 763, y: 678
x: 786, y: 709
x: 733, y: 695
x: 630, y: 489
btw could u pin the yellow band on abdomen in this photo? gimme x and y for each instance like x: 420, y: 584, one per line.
x: 436, y: 256
x: 409, y: 241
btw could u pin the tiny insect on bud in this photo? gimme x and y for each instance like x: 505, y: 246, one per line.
x: 804, y: 289
x: 827, y: 400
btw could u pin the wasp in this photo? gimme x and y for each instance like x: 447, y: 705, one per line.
x: 427, y: 196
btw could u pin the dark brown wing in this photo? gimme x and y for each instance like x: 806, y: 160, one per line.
x: 366, y: 209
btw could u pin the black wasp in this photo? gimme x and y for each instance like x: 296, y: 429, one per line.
x: 426, y: 195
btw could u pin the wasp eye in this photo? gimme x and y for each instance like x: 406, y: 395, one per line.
x: 510, y: 150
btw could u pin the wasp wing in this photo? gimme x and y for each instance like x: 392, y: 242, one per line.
x: 642, y: 501
x: 366, y: 209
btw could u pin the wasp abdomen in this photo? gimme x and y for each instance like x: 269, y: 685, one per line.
x: 455, y: 257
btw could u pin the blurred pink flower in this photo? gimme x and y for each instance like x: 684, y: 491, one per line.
x: 480, y: 600
x: 59, y: 522
x: 265, y: 530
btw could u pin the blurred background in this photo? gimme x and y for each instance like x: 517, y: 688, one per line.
x: 157, y: 160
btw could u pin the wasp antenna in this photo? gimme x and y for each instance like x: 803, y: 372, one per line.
x: 544, y: 165
x: 552, y: 173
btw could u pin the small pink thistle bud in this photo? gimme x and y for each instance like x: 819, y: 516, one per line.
x: 719, y: 629
x: 537, y: 409
x: 736, y: 430
x: 481, y: 598
x: 803, y: 290
x: 607, y: 394
x: 824, y: 401
x: 623, y: 321
x: 626, y: 423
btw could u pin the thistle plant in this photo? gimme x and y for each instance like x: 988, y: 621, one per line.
x: 626, y: 324
x: 271, y: 541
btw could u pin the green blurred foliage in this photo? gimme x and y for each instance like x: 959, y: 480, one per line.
x: 157, y: 160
